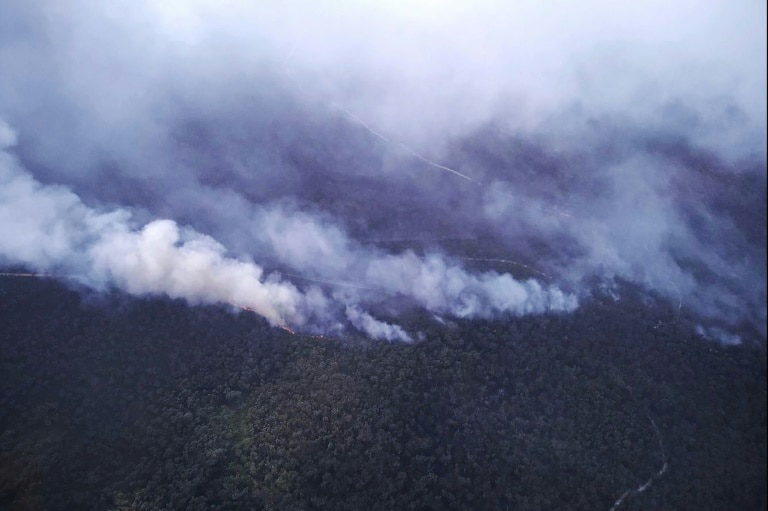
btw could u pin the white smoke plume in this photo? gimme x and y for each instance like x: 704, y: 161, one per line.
x: 50, y: 229
x: 375, y: 328
x: 718, y: 335
x: 605, y: 140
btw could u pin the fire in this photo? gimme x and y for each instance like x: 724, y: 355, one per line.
x: 246, y: 308
x: 284, y: 327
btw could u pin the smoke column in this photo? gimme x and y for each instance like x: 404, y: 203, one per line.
x: 51, y: 230
x: 164, y: 149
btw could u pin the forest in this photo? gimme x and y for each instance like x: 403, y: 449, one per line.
x: 127, y: 403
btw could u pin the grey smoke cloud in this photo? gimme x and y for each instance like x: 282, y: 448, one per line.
x: 611, y: 141
x: 375, y: 328
x: 50, y: 229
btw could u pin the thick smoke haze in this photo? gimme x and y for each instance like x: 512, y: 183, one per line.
x: 49, y: 229
x: 332, y: 164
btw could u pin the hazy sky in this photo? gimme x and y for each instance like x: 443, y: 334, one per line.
x: 188, y: 147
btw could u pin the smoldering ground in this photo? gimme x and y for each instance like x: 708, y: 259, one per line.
x: 366, y: 151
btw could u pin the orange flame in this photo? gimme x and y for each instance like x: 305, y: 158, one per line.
x: 245, y: 308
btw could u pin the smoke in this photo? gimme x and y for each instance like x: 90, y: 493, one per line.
x: 375, y: 328
x: 718, y: 335
x: 369, y: 156
x: 51, y: 230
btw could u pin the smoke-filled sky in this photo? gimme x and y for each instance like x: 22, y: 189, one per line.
x: 332, y: 164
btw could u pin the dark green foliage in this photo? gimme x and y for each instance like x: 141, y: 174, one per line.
x: 164, y: 406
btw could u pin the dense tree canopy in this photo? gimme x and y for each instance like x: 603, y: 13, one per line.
x: 152, y: 404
